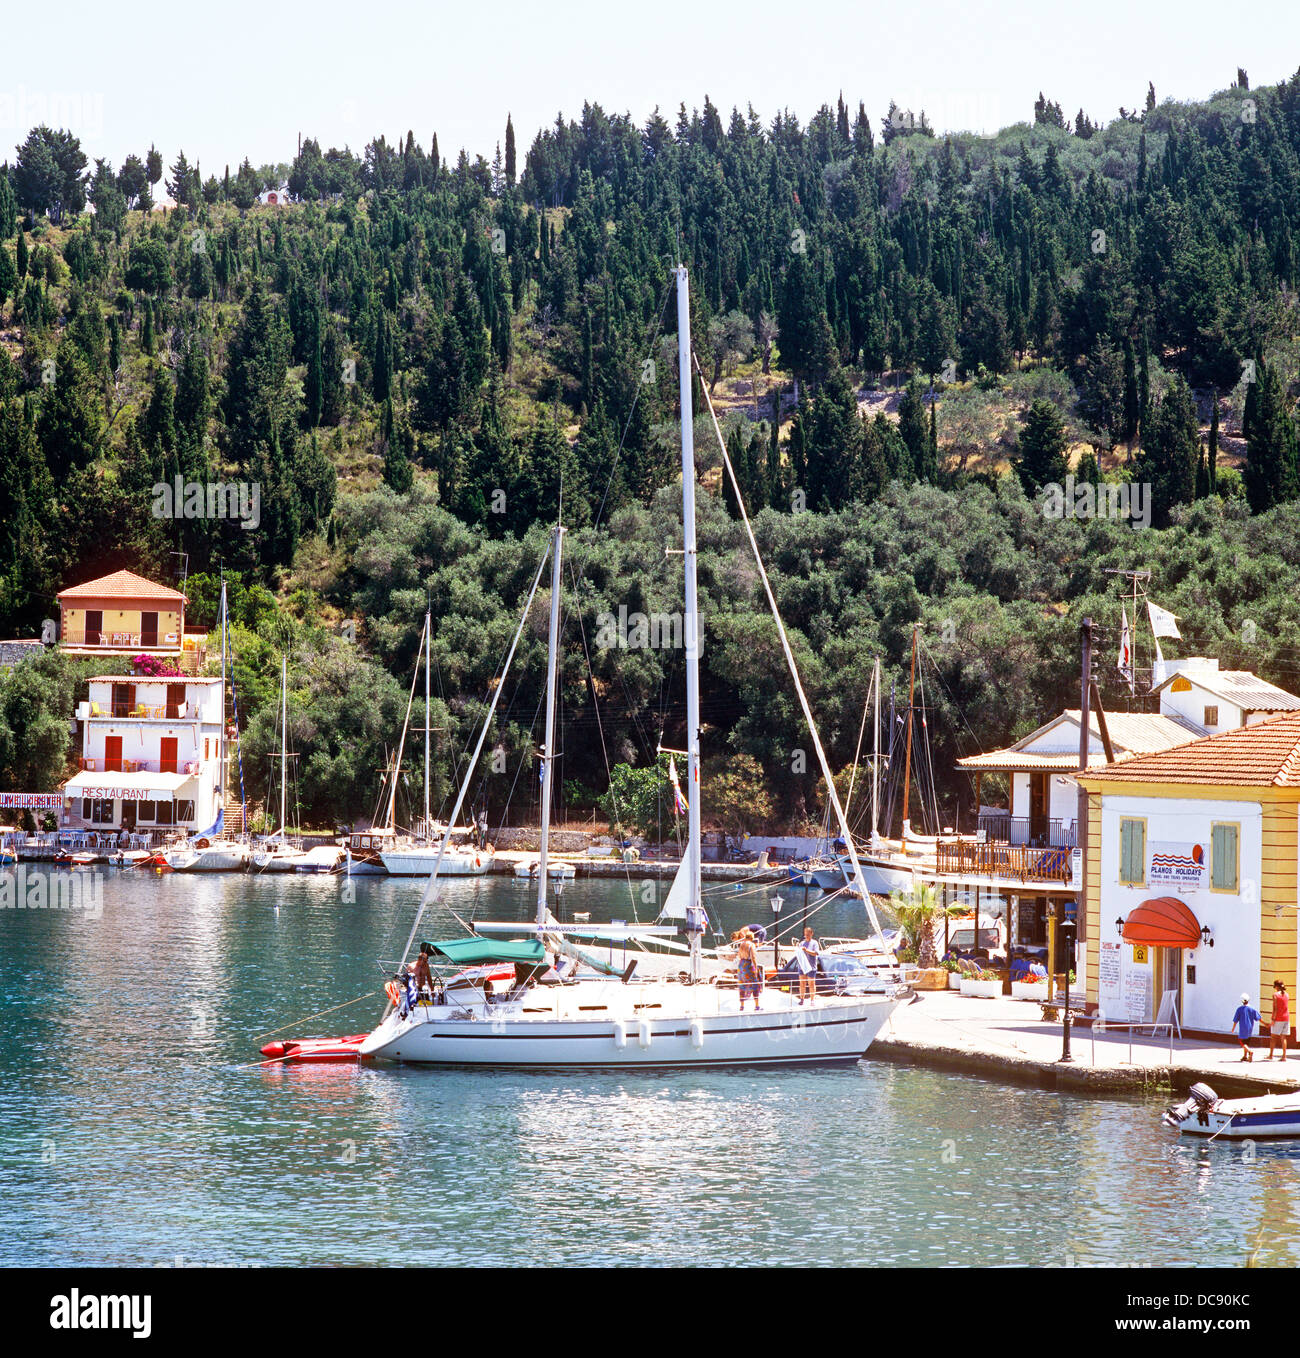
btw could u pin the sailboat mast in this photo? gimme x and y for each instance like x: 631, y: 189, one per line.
x: 548, y: 750
x: 907, y: 763
x: 284, y: 734
x: 691, y: 627
x: 875, y: 761
x: 428, y: 643
x: 225, y: 739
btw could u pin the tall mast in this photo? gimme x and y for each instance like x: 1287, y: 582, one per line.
x: 875, y: 760
x: 401, y: 745
x: 284, y: 733
x: 548, y: 750
x: 691, y: 628
x: 428, y: 642
x: 225, y: 751
x: 907, y: 764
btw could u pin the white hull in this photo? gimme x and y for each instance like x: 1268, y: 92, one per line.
x: 420, y: 862
x: 271, y: 860
x: 219, y: 857
x: 626, y: 1027
x: 1268, y: 1115
x: 323, y: 858
x: 554, y: 871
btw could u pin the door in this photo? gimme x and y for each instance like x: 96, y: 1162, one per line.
x: 123, y: 699
x: 1168, y: 975
x: 167, y: 755
x: 148, y: 629
x: 113, y: 754
x: 175, y: 700
x: 94, y: 626
x: 1038, y: 809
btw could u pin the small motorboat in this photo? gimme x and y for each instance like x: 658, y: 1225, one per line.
x: 83, y: 860
x: 315, y: 1049
x: 1204, y: 1113
x: 129, y: 858
x: 555, y: 869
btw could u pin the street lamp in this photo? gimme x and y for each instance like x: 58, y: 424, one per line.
x: 776, y: 920
x: 1065, y: 936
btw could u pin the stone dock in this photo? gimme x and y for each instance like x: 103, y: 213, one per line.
x: 1006, y: 1039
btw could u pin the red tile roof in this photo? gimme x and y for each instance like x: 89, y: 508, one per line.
x: 122, y: 585
x: 1264, y: 755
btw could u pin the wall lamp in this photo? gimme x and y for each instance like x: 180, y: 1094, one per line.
x: 1206, y: 937
x: 1119, y: 925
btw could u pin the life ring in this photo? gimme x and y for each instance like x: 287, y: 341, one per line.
x: 478, y: 862
x: 201, y: 844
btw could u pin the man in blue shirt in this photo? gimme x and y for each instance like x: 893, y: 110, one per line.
x: 1244, y: 1020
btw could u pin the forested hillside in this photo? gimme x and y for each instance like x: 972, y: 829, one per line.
x: 907, y: 337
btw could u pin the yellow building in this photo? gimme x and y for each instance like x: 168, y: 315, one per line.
x: 1190, y: 876
x: 126, y: 614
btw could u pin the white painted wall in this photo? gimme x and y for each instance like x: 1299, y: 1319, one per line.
x: 1231, y: 966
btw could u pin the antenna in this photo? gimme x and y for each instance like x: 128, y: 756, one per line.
x: 1135, y: 576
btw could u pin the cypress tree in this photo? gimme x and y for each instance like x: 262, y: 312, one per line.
x: 1042, y: 448
x: 510, y: 151
x: 22, y: 253
x: 146, y: 328
x: 912, y: 428
x: 1272, y: 473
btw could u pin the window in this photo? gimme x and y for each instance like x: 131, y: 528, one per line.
x: 148, y: 811
x: 184, y: 813
x: 165, y: 810
x: 1224, y: 857
x: 85, y: 808
x: 101, y: 813
x: 1133, y: 852
x: 1211, y: 716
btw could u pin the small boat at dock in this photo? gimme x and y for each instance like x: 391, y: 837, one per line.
x: 1259, y: 1117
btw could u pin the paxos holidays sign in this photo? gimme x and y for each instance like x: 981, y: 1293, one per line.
x: 1178, y: 864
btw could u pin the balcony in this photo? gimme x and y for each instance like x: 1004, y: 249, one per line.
x: 139, y: 712
x: 998, y: 827
x: 100, y: 764
x: 124, y: 641
x: 1011, y: 862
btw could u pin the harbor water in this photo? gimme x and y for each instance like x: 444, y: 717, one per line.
x: 137, y: 1126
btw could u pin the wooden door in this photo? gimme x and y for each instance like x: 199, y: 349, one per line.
x: 175, y: 700
x: 94, y: 626
x: 113, y: 754
x: 148, y: 629
x: 167, y: 755
x: 1038, y: 808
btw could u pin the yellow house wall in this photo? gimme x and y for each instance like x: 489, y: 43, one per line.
x: 1092, y: 904
x: 121, y: 617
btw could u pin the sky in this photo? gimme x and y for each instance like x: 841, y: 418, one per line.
x: 244, y: 78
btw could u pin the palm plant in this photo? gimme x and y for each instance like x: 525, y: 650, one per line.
x: 917, y: 910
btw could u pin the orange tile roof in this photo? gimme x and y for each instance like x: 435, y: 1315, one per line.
x: 122, y: 585
x: 1264, y: 755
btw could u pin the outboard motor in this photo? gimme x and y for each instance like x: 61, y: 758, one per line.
x: 1200, y: 1099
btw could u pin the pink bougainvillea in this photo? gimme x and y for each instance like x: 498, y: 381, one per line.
x: 155, y: 667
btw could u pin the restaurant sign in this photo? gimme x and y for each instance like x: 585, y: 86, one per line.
x: 108, y: 793
x: 1178, y: 864
x: 30, y: 801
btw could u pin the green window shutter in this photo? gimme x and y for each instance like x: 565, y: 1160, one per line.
x: 1223, y: 857
x: 1132, y: 851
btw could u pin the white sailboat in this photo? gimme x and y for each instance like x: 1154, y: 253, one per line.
x: 276, y: 853
x: 605, y: 1023
x: 210, y: 850
x: 417, y: 858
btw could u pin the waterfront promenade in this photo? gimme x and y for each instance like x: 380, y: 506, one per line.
x: 1008, y: 1039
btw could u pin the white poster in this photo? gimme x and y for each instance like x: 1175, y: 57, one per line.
x: 1180, y: 865
x: 1108, y: 978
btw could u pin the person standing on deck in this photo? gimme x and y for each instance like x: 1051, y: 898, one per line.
x: 809, y: 949
x: 747, y: 969
x: 1280, y: 1023
x: 1244, y: 1020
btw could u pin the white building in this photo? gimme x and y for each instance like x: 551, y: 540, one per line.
x: 1211, y: 700
x: 1191, y: 876
x: 151, y: 755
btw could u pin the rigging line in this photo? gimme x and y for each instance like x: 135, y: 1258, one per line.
x: 785, y: 646
x: 857, y: 753
x: 429, y: 891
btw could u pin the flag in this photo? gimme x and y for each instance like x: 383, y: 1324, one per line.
x: 1126, y: 651
x: 1163, y: 623
x: 679, y: 802
x: 1159, y: 671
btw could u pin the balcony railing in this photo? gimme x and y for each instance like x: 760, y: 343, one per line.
x: 1018, y: 862
x: 101, y: 764
x: 117, y: 641
x: 999, y: 828
x: 141, y: 711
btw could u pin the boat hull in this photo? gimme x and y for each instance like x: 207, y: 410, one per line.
x: 215, y: 858
x: 420, y: 863
x: 781, y: 1034
x: 1270, y: 1116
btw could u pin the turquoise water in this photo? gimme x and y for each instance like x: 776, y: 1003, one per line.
x: 137, y: 1128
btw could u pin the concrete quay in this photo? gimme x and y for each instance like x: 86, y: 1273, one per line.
x: 1006, y: 1039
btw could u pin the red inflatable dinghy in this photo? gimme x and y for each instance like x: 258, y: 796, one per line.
x: 315, y: 1049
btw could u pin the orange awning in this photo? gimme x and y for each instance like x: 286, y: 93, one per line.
x: 1163, y: 922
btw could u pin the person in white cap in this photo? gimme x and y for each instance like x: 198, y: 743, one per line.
x: 1244, y: 1021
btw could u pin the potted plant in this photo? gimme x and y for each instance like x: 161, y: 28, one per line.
x: 954, y: 974
x: 984, y: 986
x: 917, y: 912
x: 1033, y: 988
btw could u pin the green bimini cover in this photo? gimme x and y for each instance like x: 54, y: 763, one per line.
x: 470, y: 952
